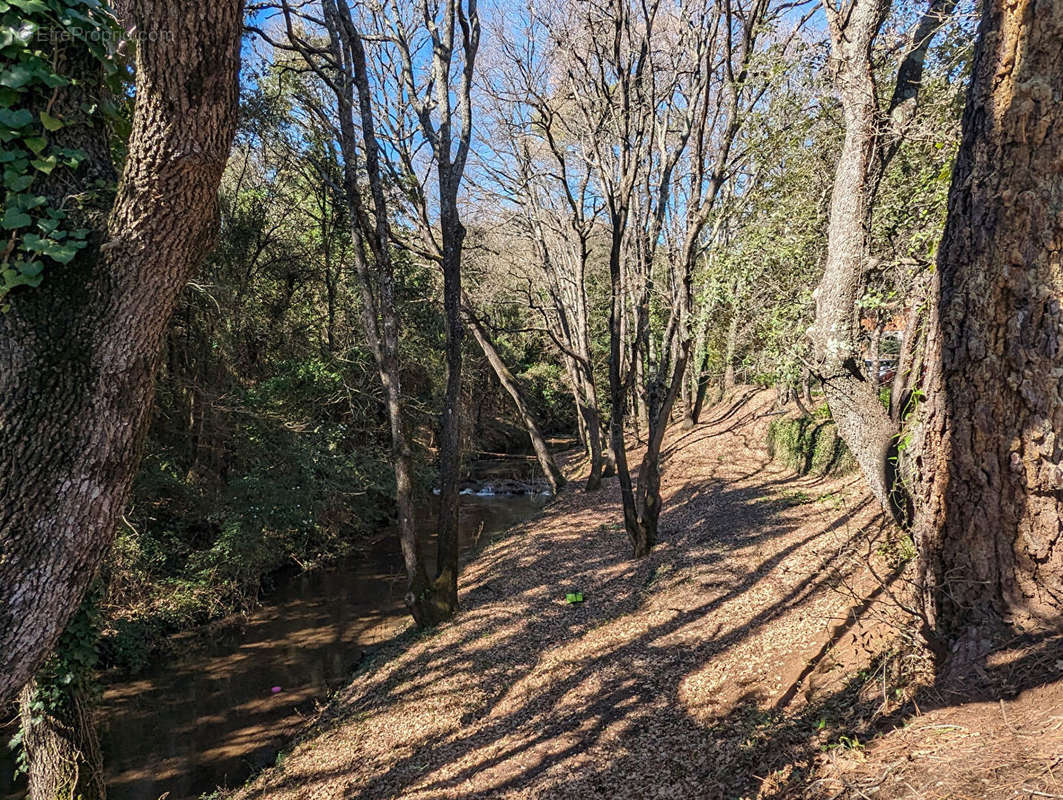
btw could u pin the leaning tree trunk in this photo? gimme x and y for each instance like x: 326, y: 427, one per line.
x: 852, y: 395
x: 862, y: 422
x: 509, y: 383
x: 702, y: 390
x: 992, y: 456
x: 63, y: 757
x: 618, y: 391
x: 78, y: 354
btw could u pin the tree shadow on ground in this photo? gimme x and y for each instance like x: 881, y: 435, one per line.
x: 588, y: 688
x: 525, y: 696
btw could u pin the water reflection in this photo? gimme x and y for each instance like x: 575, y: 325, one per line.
x: 212, y: 717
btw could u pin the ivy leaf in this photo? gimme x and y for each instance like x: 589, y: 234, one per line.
x: 13, y: 218
x: 15, y: 118
x: 35, y: 143
x: 10, y: 35
x: 71, y: 156
x: 45, y: 165
x: 17, y: 75
x: 52, y: 80
x: 28, y: 202
x: 63, y: 253
x: 30, y: 6
x: 31, y: 269
x: 15, y: 181
x: 49, y: 122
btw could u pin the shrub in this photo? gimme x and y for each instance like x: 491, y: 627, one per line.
x: 809, y: 444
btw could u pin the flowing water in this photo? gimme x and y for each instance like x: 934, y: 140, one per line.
x: 222, y: 711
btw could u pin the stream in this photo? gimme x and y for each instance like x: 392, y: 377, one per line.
x: 225, y: 709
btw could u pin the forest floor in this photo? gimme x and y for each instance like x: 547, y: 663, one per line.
x: 757, y: 652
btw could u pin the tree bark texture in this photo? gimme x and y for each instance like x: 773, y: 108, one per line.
x: 851, y: 394
x: 991, y: 455
x: 62, y: 750
x: 78, y: 354
x: 445, y: 583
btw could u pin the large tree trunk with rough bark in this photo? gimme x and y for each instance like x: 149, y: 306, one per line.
x: 542, y: 452
x: 78, y: 354
x: 63, y: 757
x: 991, y: 455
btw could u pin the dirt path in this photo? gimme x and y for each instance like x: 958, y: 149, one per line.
x: 722, y: 666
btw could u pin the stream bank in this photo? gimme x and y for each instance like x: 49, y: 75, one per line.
x: 223, y: 707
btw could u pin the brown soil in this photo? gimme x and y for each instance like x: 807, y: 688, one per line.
x: 759, y: 651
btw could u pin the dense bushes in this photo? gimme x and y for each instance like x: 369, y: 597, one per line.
x: 809, y: 444
x: 288, y: 475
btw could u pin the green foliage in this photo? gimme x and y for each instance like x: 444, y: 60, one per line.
x: 809, y: 444
x: 843, y: 743
x: 38, y: 231
x: 548, y: 395
x: 897, y: 548
x: 297, y: 491
x: 69, y: 674
x: 72, y: 667
x: 270, y: 446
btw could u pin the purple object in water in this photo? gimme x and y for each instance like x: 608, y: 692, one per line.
x: 275, y: 689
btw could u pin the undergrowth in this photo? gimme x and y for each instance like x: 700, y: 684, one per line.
x: 809, y: 444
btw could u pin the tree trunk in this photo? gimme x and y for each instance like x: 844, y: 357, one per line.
x: 687, y: 404
x: 906, y: 373
x: 874, y: 352
x: 609, y: 457
x: 509, y: 383
x: 648, y: 496
x: 593, y: 423
x: 377, y: 288
x: 991, y: 455
x: 703, y: 389
x: 618, y: 391
x: 862, y: 422
x: 588, y: 418
x: 78, y: 354
x: 694, y: 396
x: 63, y: 757
x: 445, y: 583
